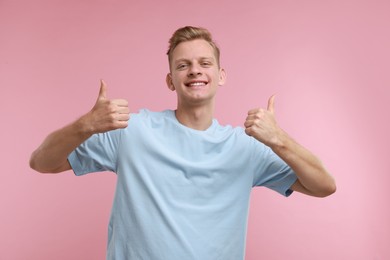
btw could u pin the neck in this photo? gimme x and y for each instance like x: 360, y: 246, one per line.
x: 198, y: 118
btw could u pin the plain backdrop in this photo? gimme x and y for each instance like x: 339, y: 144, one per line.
x: 327, y: 62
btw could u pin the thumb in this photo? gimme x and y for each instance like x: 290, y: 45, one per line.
x: 103, y: 90
x: 271, y: 104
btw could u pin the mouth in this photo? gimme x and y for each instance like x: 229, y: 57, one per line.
x: 196, y: 84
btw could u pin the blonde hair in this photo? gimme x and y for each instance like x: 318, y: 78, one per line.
x: 189, y: 33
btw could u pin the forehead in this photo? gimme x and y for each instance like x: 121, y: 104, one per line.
x: 194, y: 49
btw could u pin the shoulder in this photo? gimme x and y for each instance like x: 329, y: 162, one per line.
x: 245, y: 141
x: 234, y: 136
x: 231, y: 131
x: 146, y: 113
x: 146, y: 119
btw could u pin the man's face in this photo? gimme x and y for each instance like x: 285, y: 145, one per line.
x: 195, y: 74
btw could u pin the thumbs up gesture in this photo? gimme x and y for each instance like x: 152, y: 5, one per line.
x: 261, y: 124
x: 107, y: 114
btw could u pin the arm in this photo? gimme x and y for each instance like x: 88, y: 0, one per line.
x: 52, y: 155
x: 313, y: 178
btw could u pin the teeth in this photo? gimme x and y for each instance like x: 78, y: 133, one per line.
x: 197, y: 84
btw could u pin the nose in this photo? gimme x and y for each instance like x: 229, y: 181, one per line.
x: 194, y: 71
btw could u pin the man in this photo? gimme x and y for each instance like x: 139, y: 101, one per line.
x: 183, y: 180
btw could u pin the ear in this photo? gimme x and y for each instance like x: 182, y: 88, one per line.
x: 169, y: 82
x: 222, y: 77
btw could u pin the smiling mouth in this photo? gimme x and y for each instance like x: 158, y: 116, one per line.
x: 196, y: 84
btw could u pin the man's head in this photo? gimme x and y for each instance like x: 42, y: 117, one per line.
x: 189, y: 33
x: 195, y: 73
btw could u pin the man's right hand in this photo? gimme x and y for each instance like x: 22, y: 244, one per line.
x: 106, y: 115
x: 52, y: 155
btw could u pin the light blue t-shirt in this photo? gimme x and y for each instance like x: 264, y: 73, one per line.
x: 181, y: 193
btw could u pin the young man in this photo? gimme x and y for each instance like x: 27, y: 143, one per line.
x: 183, y: 180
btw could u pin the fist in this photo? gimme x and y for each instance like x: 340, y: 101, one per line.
x: 108, y: 114
x: 261, y: 124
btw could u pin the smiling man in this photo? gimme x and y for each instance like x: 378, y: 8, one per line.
x: 195, y: 76
x: 183, y: 180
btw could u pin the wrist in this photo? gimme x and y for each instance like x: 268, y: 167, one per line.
x: 280, y: 141
x: 83, y: 127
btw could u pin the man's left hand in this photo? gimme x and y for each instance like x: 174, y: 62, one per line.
x: 261, y: 124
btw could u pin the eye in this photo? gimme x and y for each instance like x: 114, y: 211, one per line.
x: 206, y: 63
x: 182, y: 66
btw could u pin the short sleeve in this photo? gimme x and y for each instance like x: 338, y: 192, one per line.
x: 96, y: 154
x: 271, y: 171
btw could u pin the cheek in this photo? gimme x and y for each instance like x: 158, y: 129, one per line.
x: 176, y: 82
x: 178, y: 78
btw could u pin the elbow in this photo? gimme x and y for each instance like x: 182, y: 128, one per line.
x: 34, y: 164
x: 328, y: 189
x: 332, y: 188
x: 328, y: 186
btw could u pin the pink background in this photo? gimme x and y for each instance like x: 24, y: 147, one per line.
x: 327, y: 61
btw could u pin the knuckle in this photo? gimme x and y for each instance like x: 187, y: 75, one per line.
x: 111, y: 108
x: 258, y: 115
x: 111, y: 119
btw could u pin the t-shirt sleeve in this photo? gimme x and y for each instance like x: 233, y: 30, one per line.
x: 96, y: 154
x: 271, y: 171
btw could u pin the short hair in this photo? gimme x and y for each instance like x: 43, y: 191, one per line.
x: 189, y: 33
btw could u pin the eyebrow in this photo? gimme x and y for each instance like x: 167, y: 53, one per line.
x: 188, y: 60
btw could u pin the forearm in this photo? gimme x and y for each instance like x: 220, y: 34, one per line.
x: 313, y: 178
x: 51, y: 156
x: 106, y: 115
